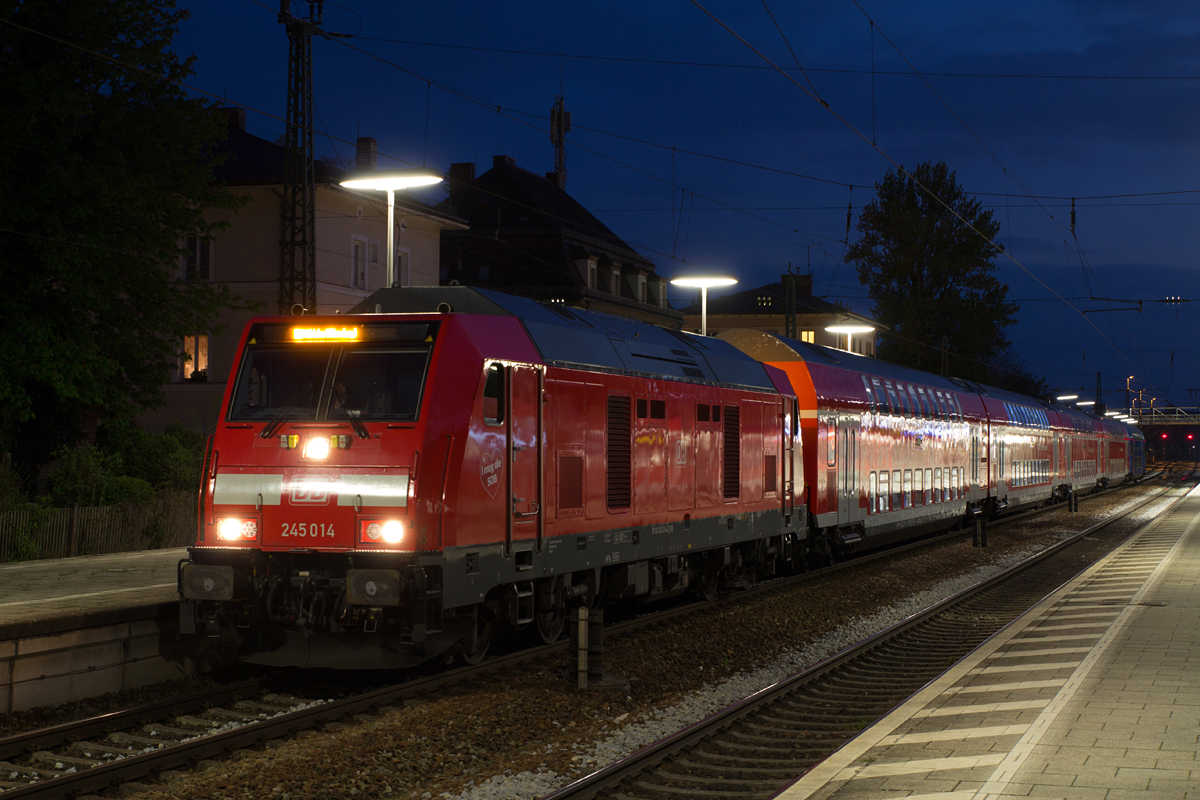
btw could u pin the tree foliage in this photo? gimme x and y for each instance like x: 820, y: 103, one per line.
x: 103, y: 176
x: 930, y: 275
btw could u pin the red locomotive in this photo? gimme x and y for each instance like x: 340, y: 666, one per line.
x: 387, y: 487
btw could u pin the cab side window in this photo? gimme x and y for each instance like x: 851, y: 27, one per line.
x: 493, y: 396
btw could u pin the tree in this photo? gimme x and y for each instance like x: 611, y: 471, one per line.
x: 930, y: 275
x: 103, y: 176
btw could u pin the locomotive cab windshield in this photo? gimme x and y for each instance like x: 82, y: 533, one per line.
x: 313, y: 373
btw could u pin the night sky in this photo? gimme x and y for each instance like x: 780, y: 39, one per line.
x: 1094, y: 100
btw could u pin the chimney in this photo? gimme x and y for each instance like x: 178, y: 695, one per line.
x: 462, y: 175
x: 804, y: 285
x: 235, y: 118
x: 366, y: 154
x: 498, y: 161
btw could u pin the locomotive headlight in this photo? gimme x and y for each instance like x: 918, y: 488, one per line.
x: 230, y: 529
x: 237, y: 530
x: 316, y: 447
x: 393, y: 532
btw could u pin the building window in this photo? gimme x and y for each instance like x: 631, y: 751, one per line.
x: 641, y: 288
x: 616, y: 281
x: 591, y: 275
x: 374, y: 252
x: 808, y: 336
x: 198, y: 261
x: 195, y: 366
x: 358, y: 263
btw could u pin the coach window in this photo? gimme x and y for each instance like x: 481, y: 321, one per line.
x: 903, y: 390
x: 893, y: 402
x: 642, y: 408
x: 493, y: 395
x: 928, y: 485
x: 912, y: 399
x: 918, y: 488
x: 658, y: 409
x: 883, y: 495
x: 702, y: 412
x: 908, y: 488
x: 897, y: 487
x: 924, y: 402
x: 870, y: 397
x: 880, y: 398
x: 831, y: 440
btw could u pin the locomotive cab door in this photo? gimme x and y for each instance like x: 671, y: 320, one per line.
x: 525, y: 489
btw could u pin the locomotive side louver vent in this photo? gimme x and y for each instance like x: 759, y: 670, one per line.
x: 620, y: 461
x: 733, y: 453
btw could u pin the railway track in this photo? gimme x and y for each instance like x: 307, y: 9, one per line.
x: 105, y: 752
x: 754, y: 748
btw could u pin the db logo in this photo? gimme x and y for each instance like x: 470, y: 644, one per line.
x: 310, y: 493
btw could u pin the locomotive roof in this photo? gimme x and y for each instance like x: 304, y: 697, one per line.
x: 774, y: 347
x: 579, y: 338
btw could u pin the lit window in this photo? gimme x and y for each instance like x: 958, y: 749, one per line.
x: 198, y: 261
x: 195, y: 366
x: 808, y: 336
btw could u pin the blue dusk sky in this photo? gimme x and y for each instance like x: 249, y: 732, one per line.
x: 697, y: 151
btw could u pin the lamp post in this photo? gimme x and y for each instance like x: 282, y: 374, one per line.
x: 391, y: 181
x: 1128, y: 399
x: 703, y: 284
x: 849, y: 330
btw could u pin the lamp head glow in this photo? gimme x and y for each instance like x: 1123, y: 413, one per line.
x: 1064, y: 397
x: 1086, y: 403
x: 349, y: 334
x: 395, y: 180
x: 851, y: 329
x: 701, y: 282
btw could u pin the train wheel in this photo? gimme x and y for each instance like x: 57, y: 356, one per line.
x: 551, y: 615
x: 483, y: 641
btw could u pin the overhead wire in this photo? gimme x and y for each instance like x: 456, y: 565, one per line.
x: 901, y: 169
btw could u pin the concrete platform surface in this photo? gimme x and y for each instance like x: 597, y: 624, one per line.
x: 1094, y: 694
x: 53, y: 589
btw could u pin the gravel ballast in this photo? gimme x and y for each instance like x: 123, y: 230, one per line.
x: 529, y: 733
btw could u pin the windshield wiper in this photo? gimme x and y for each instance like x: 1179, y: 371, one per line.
x: 274, y: 424
x: 357, y: 424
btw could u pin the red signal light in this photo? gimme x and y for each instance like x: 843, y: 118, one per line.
x: 1189, y: 436
x: 1164, y: 436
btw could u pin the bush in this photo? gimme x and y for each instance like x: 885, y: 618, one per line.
x: 12, y: 498
x: 80, y: 475
x: 169, y: 460
x: 127, y: 489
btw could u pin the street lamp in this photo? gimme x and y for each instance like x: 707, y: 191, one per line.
x: 1128, y: 400
x: 391, y: 181
x: 703, y: 284
x: 1065, y: 397
x: 849, y: 330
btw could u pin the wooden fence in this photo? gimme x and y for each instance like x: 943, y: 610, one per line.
x: 169, y: 521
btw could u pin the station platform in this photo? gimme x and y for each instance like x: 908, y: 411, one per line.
x: 1094, y: 694
x: 39, y: 596
x: 74, y: 628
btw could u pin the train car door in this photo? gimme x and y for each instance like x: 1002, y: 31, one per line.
x: 849, y: 510
x: 525, y: 426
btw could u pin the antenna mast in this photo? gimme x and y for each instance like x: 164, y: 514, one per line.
x: 560, y: 123
x: 298, y: 263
